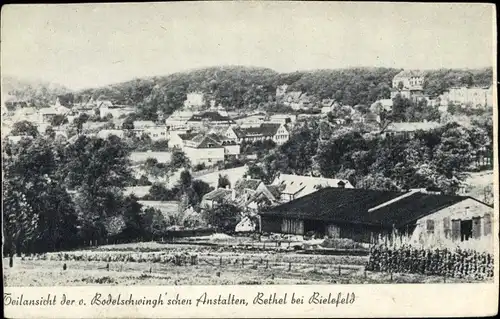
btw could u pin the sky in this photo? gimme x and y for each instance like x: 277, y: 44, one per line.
x: 82, y: 45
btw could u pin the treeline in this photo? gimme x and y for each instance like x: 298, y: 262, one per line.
x: 238, y: 87
x: 438, y: 81
x: 59, y: 195
x: 435, y: 159
x: 23, y: 93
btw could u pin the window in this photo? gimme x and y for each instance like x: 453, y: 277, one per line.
x: 447, y: 227
x: 486, y: 224
x: 430, y: 226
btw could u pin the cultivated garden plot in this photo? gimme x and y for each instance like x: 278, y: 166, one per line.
x: 171, y: 264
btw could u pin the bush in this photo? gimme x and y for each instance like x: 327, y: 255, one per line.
x: 199, y: 167
x: 456, y: 263
x: 341, y: 243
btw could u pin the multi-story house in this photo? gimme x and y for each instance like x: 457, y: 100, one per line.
x: 265, y: 131
x: 204, y: 149
x: 408, y: 84
x: 475, y: 97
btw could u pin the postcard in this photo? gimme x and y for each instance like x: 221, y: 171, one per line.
x: 249, y: 159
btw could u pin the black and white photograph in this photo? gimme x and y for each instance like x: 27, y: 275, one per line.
x: 248, y: 143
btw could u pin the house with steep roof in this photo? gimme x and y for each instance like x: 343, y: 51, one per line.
x: 295, y: 186
x: 217, y: 197
x: 204, y: 149
x: 265, y: 131
x: 362, y: 214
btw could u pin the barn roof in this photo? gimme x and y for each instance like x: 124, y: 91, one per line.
x: 265, y: 129
x: 210, y: 116
x: 363, y: 206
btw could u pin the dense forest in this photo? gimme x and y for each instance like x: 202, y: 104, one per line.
x: 238, y: 87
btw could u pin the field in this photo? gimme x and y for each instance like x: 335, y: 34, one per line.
x: 157, y: 264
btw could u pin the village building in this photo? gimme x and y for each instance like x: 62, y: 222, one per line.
x: 216, y: 197
x: 265, y: 131
x: 204, y: 149
x: 473, y: 97
x: 178, y: 120
x: 409, y: 84
x: 210, y: 118
x: 361, y: 215
x: 48, y: 113
x: 408, y: 129
x: 246, y: 225
x: 151, y: 129
x: 295, y: 186
x: 106, y: 108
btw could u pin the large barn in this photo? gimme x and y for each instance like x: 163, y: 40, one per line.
x: 361, y: 214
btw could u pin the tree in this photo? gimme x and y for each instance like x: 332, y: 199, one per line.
x: 24, y: 128
x: 201, y: 188
x: 153, y: 222
x: 179, y: 160
x: 49, y: 131
x: 161, y: 193
x: 223, y: 217
x: 223, y: 182
x: 58, y: 120
x: 79, y: 121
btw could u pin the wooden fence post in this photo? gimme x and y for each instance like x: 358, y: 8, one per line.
x: 267, y: 263
x: 220, y: 261
x: 289, y: 266
x: 242, y: 262
x: 391, y: 275
x: 340, y: 271
x: 365, y: 273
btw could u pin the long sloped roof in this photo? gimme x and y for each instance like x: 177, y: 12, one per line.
x: 264, y: 129
x: 353, y: 206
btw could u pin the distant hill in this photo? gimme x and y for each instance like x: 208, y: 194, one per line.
x: 249, y: 88
x: 34, y: 93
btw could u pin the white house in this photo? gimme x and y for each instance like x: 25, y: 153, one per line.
x: 265, y: 131
x: 204, y: 149
x: 475, y: 97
